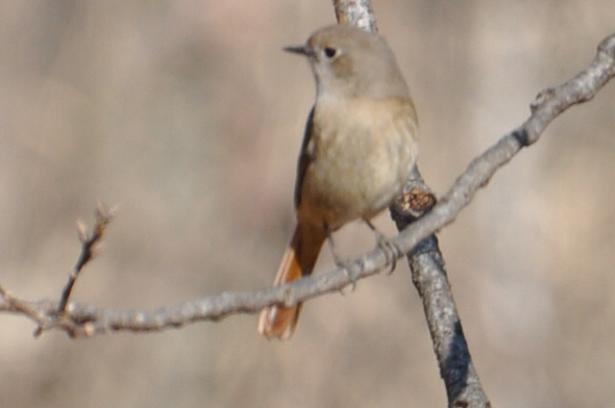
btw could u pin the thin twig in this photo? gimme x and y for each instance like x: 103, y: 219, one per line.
x: 89, y: 241
x: 9, y: 303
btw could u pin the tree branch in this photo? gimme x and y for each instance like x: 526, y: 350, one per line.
x: 579, y: 89
x: 88, y: 250
x: 356, y: 12
x: 463, y: 387
x: 429, y: 276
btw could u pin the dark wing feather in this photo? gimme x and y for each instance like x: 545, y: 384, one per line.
x: 306, y: 156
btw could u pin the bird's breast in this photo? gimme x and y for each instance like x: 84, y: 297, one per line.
x: 362, y: 152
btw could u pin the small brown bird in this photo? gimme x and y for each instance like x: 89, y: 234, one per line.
x: 358, y: 149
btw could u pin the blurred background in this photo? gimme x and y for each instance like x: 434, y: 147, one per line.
x: 189, y: 116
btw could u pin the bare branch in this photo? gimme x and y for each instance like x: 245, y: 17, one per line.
x: 577, y: 90
x: 426, y: 263
x: 89, y: 320
x: 89, y: 241
x: 9, y: 303
x: 356, y: 12
x: 429, y: 276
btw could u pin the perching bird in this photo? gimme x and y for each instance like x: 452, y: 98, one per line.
x: 358, y: 149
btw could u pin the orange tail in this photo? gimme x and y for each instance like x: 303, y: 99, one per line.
x: 298, y: 261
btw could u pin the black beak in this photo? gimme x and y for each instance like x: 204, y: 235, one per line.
x: 299, y: 49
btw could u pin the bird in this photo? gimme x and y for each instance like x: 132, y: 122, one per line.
x: 359, y: 146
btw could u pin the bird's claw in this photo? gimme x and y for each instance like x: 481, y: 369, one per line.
x: 346, y: 266
x: 391, y: 252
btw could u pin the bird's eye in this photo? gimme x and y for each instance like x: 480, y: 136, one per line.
x: 330, y: 52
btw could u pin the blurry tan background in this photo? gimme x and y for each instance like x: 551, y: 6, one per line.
x: 188, y: 115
